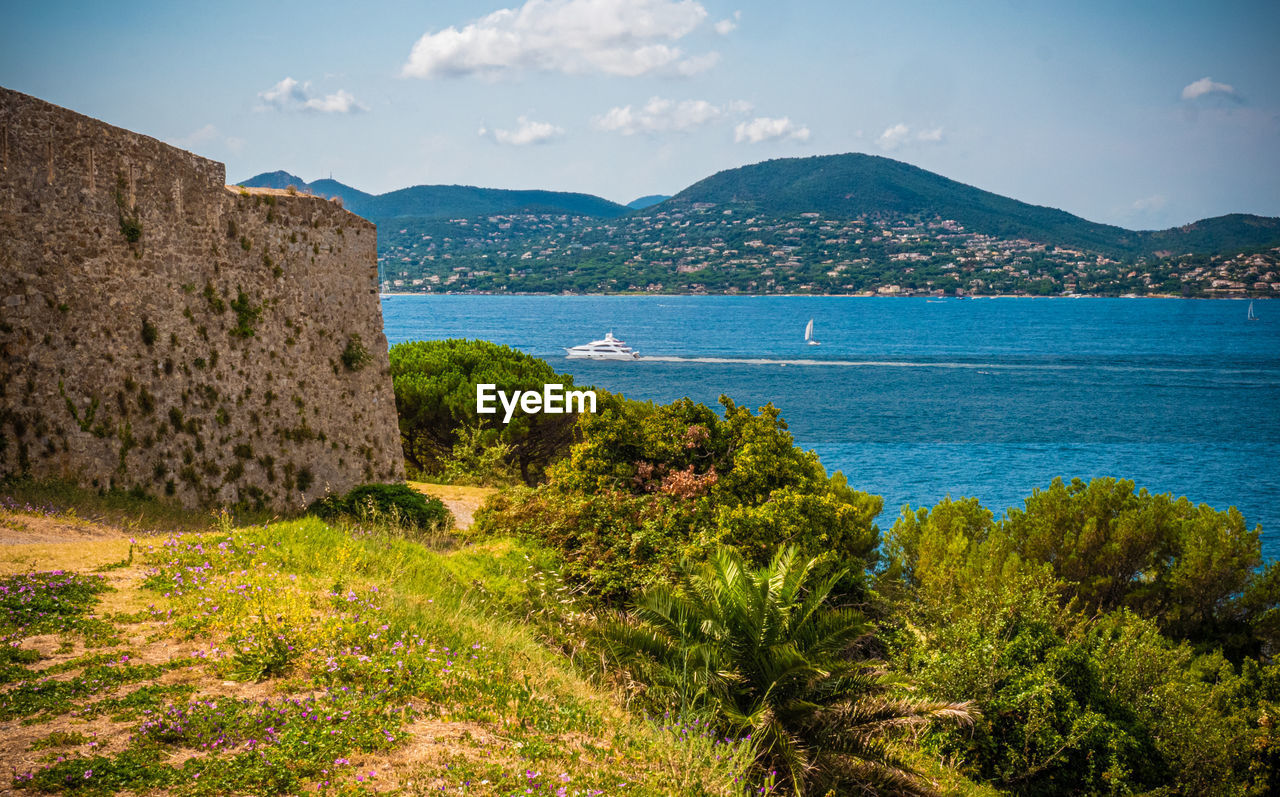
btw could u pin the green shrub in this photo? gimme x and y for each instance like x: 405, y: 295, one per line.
x: 649, y: 484
x: 477, y: 460
x: 1086, y: 682
x: 614, y: 543
x: 770, y: 652
x: 1195, y: 571
x: 396, y: 503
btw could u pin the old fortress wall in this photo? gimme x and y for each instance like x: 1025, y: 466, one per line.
x: 161, y: 331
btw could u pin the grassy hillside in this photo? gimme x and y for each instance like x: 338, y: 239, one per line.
x: 301, y: 656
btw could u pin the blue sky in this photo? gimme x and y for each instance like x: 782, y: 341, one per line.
x: 1142, y: 114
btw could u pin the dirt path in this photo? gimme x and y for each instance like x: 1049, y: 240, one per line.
x: 461, y: 501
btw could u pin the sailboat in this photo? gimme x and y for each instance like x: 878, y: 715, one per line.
x: 808, y: 334
x: 1252, y: 317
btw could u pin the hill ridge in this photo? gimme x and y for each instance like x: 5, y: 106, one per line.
x: 439, y: 201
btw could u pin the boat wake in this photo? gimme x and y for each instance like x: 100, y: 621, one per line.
x: 1268, y: 375
x: 845, y: 363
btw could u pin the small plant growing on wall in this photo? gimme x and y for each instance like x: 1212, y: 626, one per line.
x: 130, y: 224
x: 247, y: 315
x: 305, y: 478
x: 355, y: 356
x: 211, y: 296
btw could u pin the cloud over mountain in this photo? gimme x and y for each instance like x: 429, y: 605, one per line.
x: 615, y: 37
x: 291, y: 95
x: 526, y: 132
x: 895, y: 136
x: 764, y: 128
x: 660, y: 115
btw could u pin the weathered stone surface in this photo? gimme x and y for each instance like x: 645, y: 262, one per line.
x: 160, y: 330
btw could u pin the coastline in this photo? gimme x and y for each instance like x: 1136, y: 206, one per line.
x: 389, y: 294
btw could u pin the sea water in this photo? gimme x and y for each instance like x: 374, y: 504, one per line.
x: 916, y: 399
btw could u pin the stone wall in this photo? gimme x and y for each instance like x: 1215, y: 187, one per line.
x: 161, y: 331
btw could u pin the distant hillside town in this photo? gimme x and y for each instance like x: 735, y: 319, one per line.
x: 831, y: 224
x: 706, y: 249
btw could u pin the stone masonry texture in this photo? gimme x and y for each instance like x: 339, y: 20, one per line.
x: 160, y: 331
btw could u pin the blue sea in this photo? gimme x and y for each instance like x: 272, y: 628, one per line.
x: 916, y: 399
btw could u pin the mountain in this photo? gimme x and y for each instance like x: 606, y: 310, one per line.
x: 1226, y: 234
x: 855, y: 185
x: 352, y: 198
x: 648, y: 201
x: 445, y: 201
x: 464, y: 201
x: 278, y: 180
x: 839, y: 187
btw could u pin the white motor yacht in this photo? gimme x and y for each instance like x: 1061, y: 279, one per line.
x: 608, y: 349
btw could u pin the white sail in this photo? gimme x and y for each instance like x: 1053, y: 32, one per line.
x: 1252, y: 317
x: 808, y: 334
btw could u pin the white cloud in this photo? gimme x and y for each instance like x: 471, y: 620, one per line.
x: 616, y: 37
x: 762, y: 128
x: 338, y: 102
x: 290, y: 95
x: 895, y: 136
x: 1205, y: 86
x: 283, y: 95
x: 527, y: 132
x: 695, y: 64
x: 726, y: 26
x: 661, y: 115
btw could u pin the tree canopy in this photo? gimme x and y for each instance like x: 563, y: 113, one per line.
x: 435, y: 388
x: 1114, y: 640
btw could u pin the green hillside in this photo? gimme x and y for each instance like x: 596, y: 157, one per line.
x: 464, y: 201
x: 1220, y: 234
x: 278, y: 179
x: 352, y: 198
x: 444, y: 201
x: 855, y: 185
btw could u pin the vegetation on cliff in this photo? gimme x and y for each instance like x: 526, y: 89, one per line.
x: 672, y: 561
